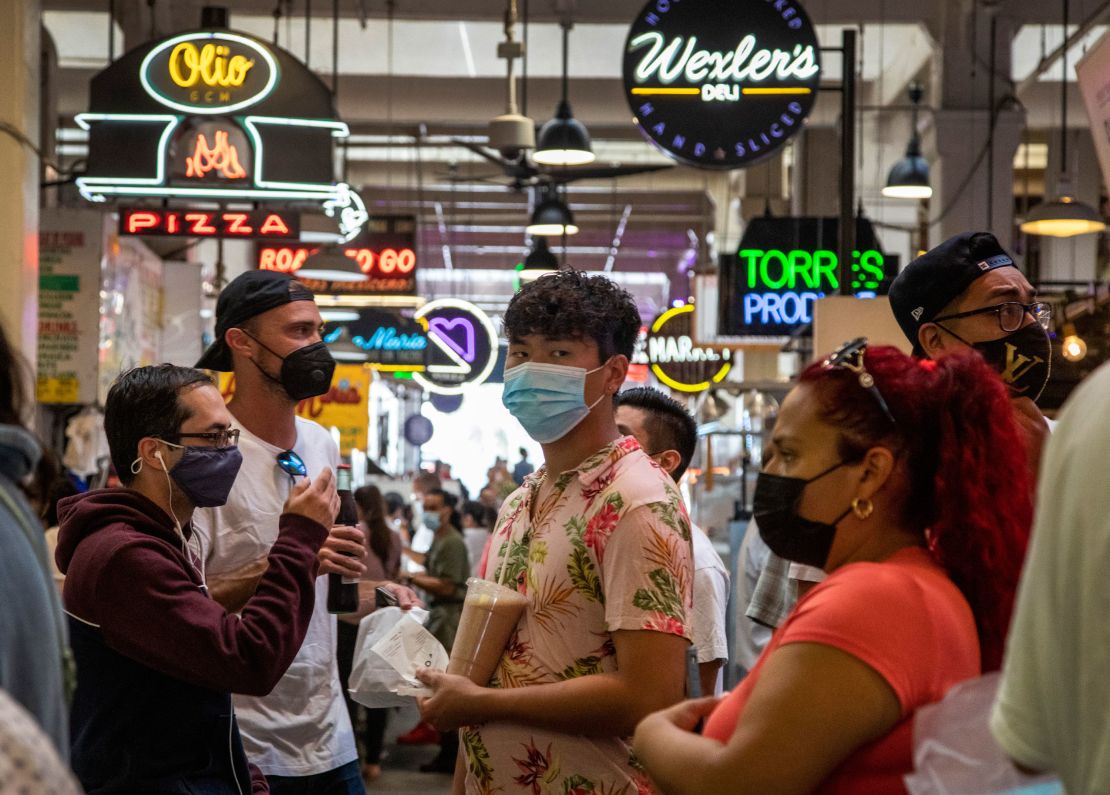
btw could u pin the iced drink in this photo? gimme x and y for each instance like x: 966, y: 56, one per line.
x: 490, y: 614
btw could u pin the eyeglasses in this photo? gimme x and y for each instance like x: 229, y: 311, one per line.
x: 292, y: 465
x: 1011, y: 314
x: 225, y: 438
x: 850, y: 357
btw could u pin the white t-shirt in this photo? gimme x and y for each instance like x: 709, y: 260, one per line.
x: 707, y: 626
x: 476, y: 539
x: 1051, y: 712
x: 751, y: 636
x: 301, y: 728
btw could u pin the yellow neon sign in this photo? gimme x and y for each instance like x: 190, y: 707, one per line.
x: 209, y: 64
x: 661, y: 374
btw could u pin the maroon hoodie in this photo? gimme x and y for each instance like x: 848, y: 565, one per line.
x: 150, y: 641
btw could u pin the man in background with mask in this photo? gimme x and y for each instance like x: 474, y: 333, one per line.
x: 157, y: 658
x: 268, y: 334
x: 669, y: 434
x: 968, y: 293
x: 599, y: 541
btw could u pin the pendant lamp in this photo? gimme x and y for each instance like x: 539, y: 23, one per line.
x: 563, y: 141
x: 909, y: 177
x: 331, y: 264
x: 551, y: 216
x: 1064, y: 216
x: 540, y: 257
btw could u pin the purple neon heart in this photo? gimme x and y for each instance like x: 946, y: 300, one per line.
x: 442, y: 327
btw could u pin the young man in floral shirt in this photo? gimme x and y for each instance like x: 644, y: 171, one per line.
x: 599, y: 542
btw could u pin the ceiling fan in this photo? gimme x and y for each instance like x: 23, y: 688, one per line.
x: 520, y: 172
x: 512, y: 135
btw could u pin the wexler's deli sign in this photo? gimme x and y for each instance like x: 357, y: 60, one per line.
x: 721, y: 83
x: 214, y: 115
x: 783, y: 265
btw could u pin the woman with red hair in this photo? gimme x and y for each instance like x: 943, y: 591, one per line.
x: 905, y: 480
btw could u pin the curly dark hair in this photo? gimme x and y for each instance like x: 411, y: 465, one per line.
x: 571, y: 305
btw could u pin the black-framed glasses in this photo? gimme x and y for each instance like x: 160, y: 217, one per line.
x: 1011, y: 314
x: 225, y: 438
x: 292, y: 465
x: 849, y: 356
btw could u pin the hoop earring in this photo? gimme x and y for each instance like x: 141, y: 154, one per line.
x: 862, y: 508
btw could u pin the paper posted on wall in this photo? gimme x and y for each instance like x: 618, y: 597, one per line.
x: 392, y: 646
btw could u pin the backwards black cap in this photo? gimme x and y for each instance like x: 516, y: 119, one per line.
x: 248, y: 295
x: 930, y: 282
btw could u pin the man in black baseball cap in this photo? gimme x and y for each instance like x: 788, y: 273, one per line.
x: 968, y: 293
x: 268, y: 333
x: 248, y: 296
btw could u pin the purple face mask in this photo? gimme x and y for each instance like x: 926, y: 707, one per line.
x: 206, y: 474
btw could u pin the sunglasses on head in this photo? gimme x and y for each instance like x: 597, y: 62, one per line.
x: 849, y: 356
x: 292, y: 464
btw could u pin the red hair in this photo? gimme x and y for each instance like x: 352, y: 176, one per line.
x: 969, y: 487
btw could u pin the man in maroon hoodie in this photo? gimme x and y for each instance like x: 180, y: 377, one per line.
x: 157, y: 658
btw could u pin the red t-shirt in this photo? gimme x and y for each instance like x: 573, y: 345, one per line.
x: 903, y: 617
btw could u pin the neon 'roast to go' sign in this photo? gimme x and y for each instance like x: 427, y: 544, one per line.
x: 721, y: 83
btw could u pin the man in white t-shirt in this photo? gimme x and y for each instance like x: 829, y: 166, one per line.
x: 268, y: 333
x: 1050, y: 712
x: 667, y: 433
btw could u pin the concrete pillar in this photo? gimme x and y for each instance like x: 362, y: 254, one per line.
x: 963, y: 92
x: 816, y: 189
x: 20, y: 167
x: 960, y: 177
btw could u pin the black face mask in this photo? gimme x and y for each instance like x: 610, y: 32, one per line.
x: 1023, y: 359
x: 788, y: 535
x: 305, y: 373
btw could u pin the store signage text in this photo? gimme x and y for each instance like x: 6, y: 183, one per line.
x: 721, y: 73
x: 384, y: 262
x: 390, y: 339
x: 676, y: 360
x: 209, y: 72
x: 209, y: 64
x: 197, y: 223
x: 751, y: 66
x: 779, y: 288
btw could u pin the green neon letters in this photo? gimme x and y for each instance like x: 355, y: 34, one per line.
x: 776, y: 270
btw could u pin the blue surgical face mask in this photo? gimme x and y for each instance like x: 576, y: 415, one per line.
x: 548, y: 400
x: 431, y: 520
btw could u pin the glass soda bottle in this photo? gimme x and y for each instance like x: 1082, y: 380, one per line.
x: 343, y: 591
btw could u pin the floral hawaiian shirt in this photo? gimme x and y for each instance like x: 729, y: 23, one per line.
x: 608, y: 549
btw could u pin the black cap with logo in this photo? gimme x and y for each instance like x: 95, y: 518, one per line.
x: 933, y: 280
x: 248, y: 295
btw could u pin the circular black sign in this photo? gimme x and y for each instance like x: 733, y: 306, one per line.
x: 721, y: 83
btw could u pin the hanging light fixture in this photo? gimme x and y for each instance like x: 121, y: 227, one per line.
x: 540, y: 257
x: 909, y: 177
x: 331, y: 264
x: 1064, y: 216
x: 1072, y: 346
x: 551, y: 216
x: 563, y: 141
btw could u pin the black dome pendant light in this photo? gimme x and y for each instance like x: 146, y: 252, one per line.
x: 563, y: 141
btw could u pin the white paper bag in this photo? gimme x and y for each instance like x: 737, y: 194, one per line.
x: 954, y: 752
x: 392, y: 646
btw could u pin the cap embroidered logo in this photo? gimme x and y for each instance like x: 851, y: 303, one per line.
x: 917, y: 313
